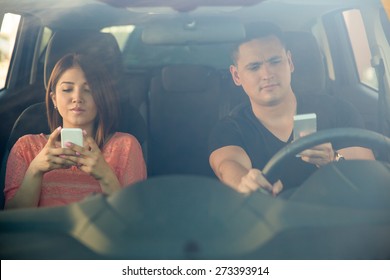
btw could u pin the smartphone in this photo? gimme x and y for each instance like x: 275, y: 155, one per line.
x: 73, y: 135
x: 305, y: 123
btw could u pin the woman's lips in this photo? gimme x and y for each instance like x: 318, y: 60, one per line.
x: 77, y: 110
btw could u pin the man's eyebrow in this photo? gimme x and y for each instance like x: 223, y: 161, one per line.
x: 254, y: 64
x: 275, y: 57
x: 259, y: 63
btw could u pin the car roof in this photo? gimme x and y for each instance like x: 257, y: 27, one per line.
x: 290, y: 13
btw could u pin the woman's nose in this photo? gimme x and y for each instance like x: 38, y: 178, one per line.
x: 77, y: 96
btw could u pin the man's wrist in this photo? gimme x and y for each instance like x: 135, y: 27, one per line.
x: 337, y: 156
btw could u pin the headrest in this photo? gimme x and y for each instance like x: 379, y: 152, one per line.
x: 309, y: 73
x: 187, y: 78
x: 102, y: 45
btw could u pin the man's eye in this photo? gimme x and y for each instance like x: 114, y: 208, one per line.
x: 275, y: 61
x: 254, y: 67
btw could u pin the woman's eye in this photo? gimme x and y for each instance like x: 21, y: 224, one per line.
x: 67, y: 89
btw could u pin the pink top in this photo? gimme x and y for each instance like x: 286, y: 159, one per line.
x: 63, y: 186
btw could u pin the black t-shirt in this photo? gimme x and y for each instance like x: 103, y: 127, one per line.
x: 243, y: 129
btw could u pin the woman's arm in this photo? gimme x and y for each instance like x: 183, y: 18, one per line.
x: 29, y: 191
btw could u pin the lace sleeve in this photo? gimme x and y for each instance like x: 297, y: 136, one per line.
x: 18, y: 162
x: 126, y: 159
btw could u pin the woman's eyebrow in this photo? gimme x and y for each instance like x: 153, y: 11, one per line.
x: 66, y: 82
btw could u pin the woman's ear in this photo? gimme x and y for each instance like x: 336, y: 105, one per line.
x: 53, y: 98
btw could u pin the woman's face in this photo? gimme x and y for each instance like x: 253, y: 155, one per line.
x: 74, y: 101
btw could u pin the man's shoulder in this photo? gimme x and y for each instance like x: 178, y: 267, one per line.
x: 320, y: 102
x: 319, y: 98
x: 242, y: 110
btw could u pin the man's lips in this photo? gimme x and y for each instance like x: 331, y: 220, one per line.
x: 268, y: 86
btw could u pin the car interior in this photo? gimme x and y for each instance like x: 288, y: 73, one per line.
x: 174, y: 84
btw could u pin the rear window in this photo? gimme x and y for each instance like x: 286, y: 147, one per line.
x: 137, y: 54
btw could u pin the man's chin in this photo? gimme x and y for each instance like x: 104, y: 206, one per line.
x: 269, y: 101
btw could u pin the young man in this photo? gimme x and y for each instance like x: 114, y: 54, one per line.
x: 242, y: 144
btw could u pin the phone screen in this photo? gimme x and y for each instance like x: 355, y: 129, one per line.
x: 304, y: 124
x: 73, y: 135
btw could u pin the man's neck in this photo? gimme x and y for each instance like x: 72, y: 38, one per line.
x: 278, y: 118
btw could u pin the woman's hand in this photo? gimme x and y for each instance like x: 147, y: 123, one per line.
x: 51, y: 157
x: 90, y: 159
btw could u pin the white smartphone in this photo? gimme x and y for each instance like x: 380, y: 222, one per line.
x: 73, y: 135
x: 304, y: 124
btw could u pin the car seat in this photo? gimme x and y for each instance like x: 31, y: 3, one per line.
x: 184, y: 104
x: 33, y: 120
x: 309, y: 69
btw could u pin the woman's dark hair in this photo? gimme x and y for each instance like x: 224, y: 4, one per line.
x: 256, y: 30
x: 103, y: 91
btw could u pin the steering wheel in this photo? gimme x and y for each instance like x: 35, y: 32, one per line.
x: 345, y: 137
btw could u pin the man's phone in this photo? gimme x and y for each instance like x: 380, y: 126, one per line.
x: 73, y: 135
x: 304, y: 124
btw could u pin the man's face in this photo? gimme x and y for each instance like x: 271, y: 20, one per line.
x: 263, y: 68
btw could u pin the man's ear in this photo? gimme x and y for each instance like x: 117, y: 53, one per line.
x: 235, y: 75
x: 290, y: 62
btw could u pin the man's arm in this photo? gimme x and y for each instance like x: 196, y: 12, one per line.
x: 323, y: 154
x: 233, y: 167
x: 357, y: 153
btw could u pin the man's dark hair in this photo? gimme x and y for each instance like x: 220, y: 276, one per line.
x: 256, y: 30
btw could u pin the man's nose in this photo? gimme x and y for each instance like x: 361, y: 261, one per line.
x: 266, y: 71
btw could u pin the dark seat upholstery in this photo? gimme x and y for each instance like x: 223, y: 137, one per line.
x: 184, y: 104
x: 309, y: 73
x: 33, y: 120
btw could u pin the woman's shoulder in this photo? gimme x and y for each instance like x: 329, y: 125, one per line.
x: 30, y: 143
x: 122, y: 138
x: 32, y: 139
x: 121, y: 142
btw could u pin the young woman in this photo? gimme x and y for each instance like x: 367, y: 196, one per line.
x: 80, y: 94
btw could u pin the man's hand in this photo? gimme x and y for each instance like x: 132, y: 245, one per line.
x: 255, y: 180
x: 319, y: 155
